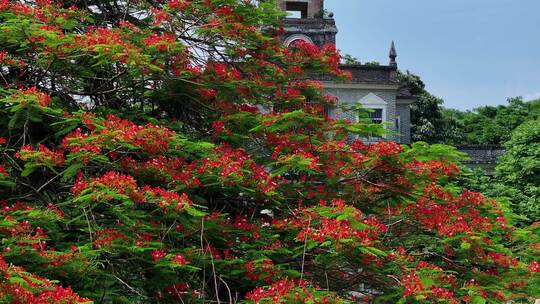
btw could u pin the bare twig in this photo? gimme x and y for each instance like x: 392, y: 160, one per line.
x: 304, y: 254
x: 129, y: 287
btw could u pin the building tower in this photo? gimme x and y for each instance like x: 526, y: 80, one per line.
x: 392, y: 55
x: 308, y: 21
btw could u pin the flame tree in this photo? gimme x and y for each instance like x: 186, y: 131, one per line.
x: 175, y: 152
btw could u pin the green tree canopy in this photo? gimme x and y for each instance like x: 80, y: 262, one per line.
x: 519, y: 169
x: 427, y: 122
x: 488, y: 124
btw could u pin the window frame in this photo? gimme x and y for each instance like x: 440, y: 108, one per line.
x: 374, y: 119
x: 372, y: 101
x: 297, y: 37
x: 297, y: 7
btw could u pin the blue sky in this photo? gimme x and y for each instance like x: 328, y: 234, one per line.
x: 468, y: 52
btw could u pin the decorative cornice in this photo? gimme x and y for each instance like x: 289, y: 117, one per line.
x: 349, y: 85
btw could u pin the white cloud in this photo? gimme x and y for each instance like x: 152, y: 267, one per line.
x: 532, y: 96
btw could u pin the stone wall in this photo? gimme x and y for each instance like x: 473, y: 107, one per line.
x: 482, y: 153
x: 366, y: 74
x: 315, y: 7
x: 320, y: 31
x: 482, y: 156
x: 404, y: 113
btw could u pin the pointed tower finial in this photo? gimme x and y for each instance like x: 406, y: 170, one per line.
x: 393, y: 54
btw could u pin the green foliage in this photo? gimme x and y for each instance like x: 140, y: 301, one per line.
x: 518, y: 169
x: 427, y: 122
x: 488, y: 124
x: 349, y: 59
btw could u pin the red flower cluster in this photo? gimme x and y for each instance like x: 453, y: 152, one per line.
x: 385, y: 148
x: 179, y: 259
x: 22, y: 287
x: 115, y: 132
x: 106, y: 237
x: 288, y: 291
x: 3, y: 171
x: 223, y: 72
x: 178, y: 5
x: 31, y: 95
x: 321, y: 228
x: 502, y: 259
x: 412, y: 284
x: 158, y: 16
x: 158, y: 254
x: 534, y: 267
x: 42, y: 155
x: 150, y: 138
x: 175, y: 170
x: 451, y: 215
x: 233, y: 167
x: 275, y: 292
x: 120, y: 183
x: 218, y: 127
x: 7, y: 59
x: 432, y: 289
x: 110, y: 42
x: 162, y: 43
x: 167, y: 199
x: 434, y: 168
x: 261, y: 271
x: 80, y: 143
x: 126, y: 185
x: 305, y: 52
x: 243, y: 224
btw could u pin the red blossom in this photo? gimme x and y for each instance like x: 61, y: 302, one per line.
x: 41, y: 156
x: 167, y: 199
x: 178, y: 5
x: 122, y: 184
x: 161, y: 42
x: 39, y: 291
x: 158, y: 16
x: 3, y: 171
x: 218, y: 127
x: 175, y: 170
x: 106, y: 237
x: 179, y: 259
x: 33, y: 95
x: 158, y: 255
x: 249, y: 108
x: 385, y: 148
x: 534, y: 267
x: 208, y: 93
x: 275, y: 292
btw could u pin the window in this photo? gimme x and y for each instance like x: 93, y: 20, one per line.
x: 297, y: 38
x: 298, y: 10
x: 398, y: 125
x: 377, y: 113
x: 294, y: 14
x: 376, y: 116
x: 296, y: 42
